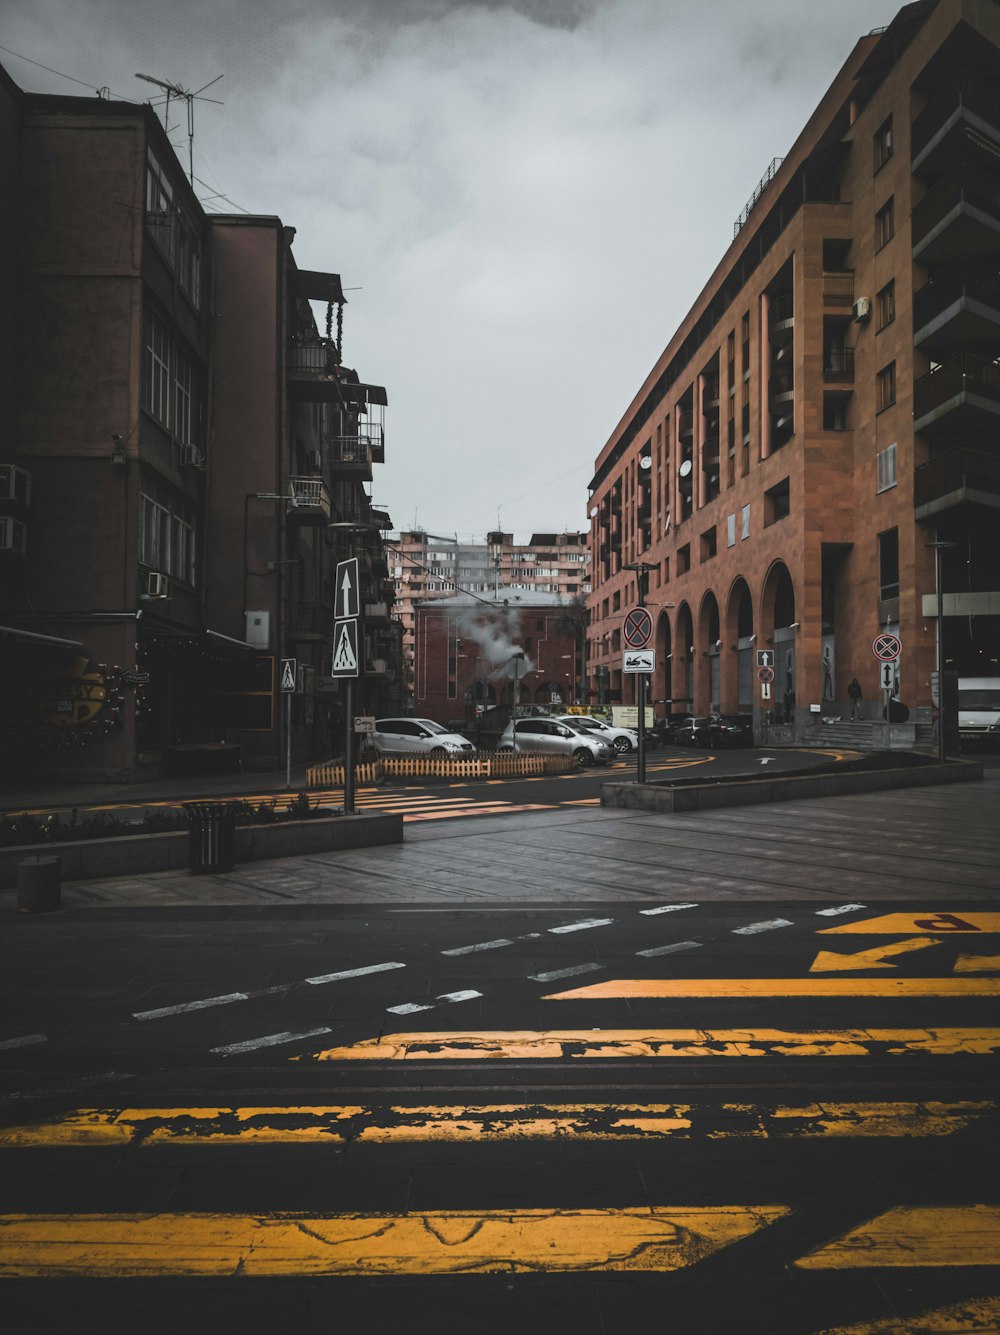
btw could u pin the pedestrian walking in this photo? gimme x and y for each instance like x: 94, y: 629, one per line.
x: 855, y: 692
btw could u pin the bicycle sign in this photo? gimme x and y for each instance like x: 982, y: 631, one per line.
x: 886, y: 647
x: 638, y: 628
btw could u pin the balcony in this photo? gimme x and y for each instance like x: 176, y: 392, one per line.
x: 962, y: 393
x: 376, y: 613
x: 308, y: 500
x: 838, y: 287
x: 960, y: 216
x: 781, y: 386
x: 310, y: 621
x: 965, y: 102
x: 959, y: 307
x: 838, y: 366
x: 351, y: 456
x: 961, y: 477
x: 685, y: 425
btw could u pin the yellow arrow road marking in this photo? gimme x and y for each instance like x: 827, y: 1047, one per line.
x: 915, y: 1236
x: 973, y: 1316
x: 828, y: 960
x: 341, y: 1124
x: 781, y: 987
x: 977, y: 964
x: 901, y: 924
x: 443, y: 1242
x: 556, y: 1044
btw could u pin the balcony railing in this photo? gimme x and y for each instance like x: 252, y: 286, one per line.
x: 782, y: 383
x: 838, y: 365
x: 955, y: 478
x: 963, y: 91
x: 315, y: 357
x: 781, y: 310
x: 966, y: 383
x: 685, y: 423
x: 957, y: 286
x: 838, y: 288
x: 308, y: 499
x: 968, y: 194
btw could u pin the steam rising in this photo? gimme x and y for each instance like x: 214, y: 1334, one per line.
x: 497, y: 633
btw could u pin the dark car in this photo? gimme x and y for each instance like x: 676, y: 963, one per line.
x: 665, y: 729
x: 716, y: 730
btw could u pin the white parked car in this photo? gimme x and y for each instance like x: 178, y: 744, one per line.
x: 422, y: 736
x: 556, y: 737
x: 622, y: 739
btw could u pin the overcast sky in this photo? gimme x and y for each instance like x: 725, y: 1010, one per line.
x: 526, y: 196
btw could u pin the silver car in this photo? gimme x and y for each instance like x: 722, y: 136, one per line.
x: 622, y: 739
x: 556, y: 737
x: 421, y: 736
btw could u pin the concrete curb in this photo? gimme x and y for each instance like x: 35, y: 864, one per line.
x: 136, y: 854
x: 746, y: 792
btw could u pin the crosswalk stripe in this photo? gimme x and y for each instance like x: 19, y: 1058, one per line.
x: 556, y: 1044
x: 782, y: 987
x: 372, y: 1124
x: 440, y: 1242
x: 915, y: 1235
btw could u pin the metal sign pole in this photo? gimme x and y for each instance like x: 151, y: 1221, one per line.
x: 349, y: 749
x: 288, y: 740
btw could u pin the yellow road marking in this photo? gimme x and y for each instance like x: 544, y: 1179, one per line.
x: 977, y: 964
x: 921, y: 1235
x: 973, y: 1315
x: 829, y: 960
x: 782, y: 987
x: 661, y: 1238
x: 489, y: 1122
x: 555, y: 1044
x: 903, y: 923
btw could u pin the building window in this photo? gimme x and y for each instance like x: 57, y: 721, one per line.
x: 166, y: 540
x: 684, y: 559
x: 777, y: 502
x: 156, y: 381
x: 888, y: 564
x: 730, y: 530
x: 160, y: 211
x: 834, y: 412
x: 885, y: 224
x: 885, y: 468
x: 882, y: 143
x: 885, y: 387
x: 182, y: 398
x: 885, y: 304
x: 709, y: 544
x: 744, y: 523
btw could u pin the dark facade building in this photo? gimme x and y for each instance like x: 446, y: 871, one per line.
x: 176, y: 438
x: 829, y: 408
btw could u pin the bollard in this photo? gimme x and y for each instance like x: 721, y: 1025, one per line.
x: 211, y: 836
x: 38, y: 884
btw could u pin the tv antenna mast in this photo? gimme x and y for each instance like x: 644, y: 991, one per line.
x: 184, y: 95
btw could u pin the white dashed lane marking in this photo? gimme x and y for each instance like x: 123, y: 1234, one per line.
x: 412, y: 1007
x: 582, y: 926
x: 267, y: 1041
x: 353, y: 973
x: 667, y: 908
x: 668, y: 950
x: 769, y: 926
x: 563, y: 973
x: 25, y: 1041
x: 841, y: 908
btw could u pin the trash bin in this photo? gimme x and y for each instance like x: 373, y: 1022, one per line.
x: 211, y: 836
x: 38, y: 884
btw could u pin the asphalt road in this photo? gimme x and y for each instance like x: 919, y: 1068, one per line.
x: 612, y: 1116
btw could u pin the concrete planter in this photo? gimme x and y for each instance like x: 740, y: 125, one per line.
x: 745, y: 792
x: 137, y: 854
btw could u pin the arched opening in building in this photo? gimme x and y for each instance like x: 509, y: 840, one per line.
x: 778, y: 612
x: 683, y: 662
x: 660, y: 684
x: 740, y: 639
x: 709, y: 660
x: 554, y: 692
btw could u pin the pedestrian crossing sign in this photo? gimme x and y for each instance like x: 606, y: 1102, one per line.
x: 345, y: 648
x: 288, y: 675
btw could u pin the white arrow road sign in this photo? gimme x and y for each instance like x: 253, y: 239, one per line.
x: 346, y: 590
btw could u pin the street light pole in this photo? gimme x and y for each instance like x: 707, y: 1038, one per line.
x: 939, y: 546
x: 641, y: 569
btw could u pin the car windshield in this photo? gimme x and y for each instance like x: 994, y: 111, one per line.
x: 431, y: 726
x: 575, y: 726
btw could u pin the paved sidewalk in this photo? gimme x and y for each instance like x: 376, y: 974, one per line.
x: 188, y: 789
x: 938, y: 845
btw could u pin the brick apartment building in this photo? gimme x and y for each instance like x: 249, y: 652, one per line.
x: 477, y: 652
x: 426, y: 566
x: 176, y: 435
x: 829, y: 407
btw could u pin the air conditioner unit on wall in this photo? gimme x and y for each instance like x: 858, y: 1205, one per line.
x: 862, y: 310
x: 156, y: 585
x: 192, y: 456
x: 13, y: 535
x: 15, y: 484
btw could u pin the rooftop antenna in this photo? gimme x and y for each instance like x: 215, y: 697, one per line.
x: 175, y: 90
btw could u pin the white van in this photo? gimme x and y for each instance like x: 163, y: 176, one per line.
x: 978, y: 710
